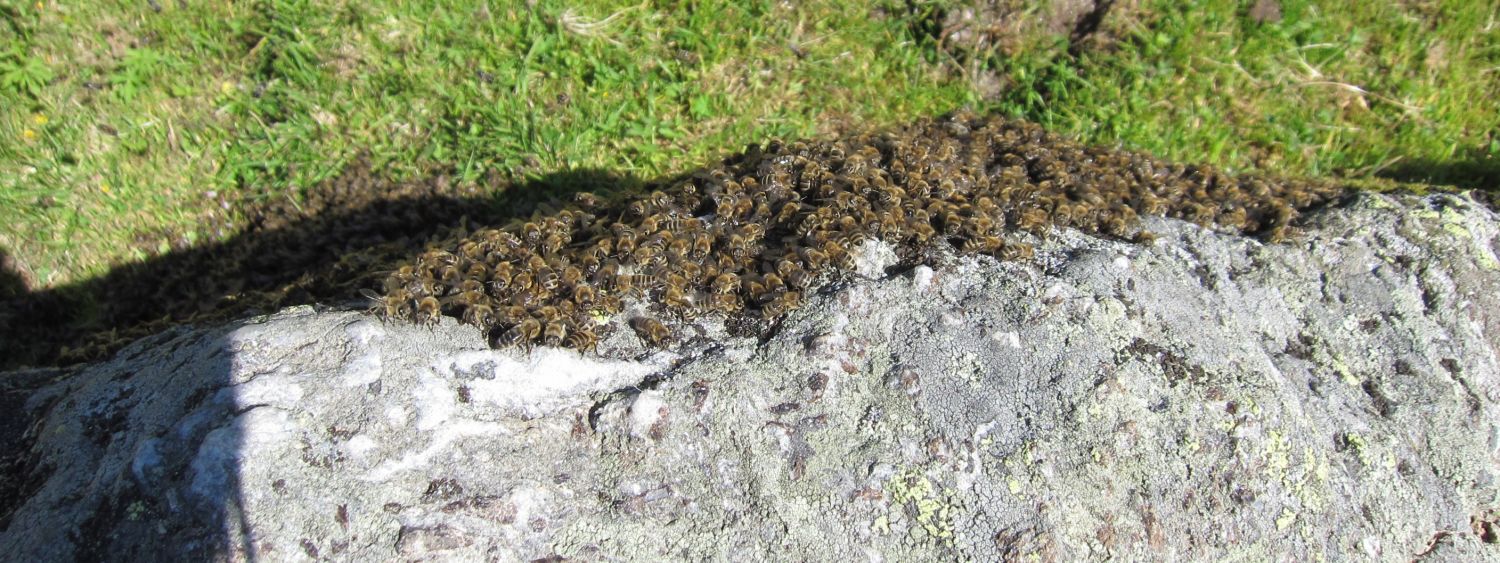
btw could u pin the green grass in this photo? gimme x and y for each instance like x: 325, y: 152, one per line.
x: 119, y: 122
x: 1335, y: 88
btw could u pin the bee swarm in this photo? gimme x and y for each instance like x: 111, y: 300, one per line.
x: 749, y: 237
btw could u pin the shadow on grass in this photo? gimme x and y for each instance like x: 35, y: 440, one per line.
x: 342, y: 237
x: 1475, y: 169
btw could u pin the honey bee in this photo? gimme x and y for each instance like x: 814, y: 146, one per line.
x: 525, y: 332
x: 789, y: 211
x: 625, y: 245
x: 589, y: 266
x: 549, y: 313
x: 1198, y: 213
x: 723, y: 203
x: 752, y: 231
x: 922, y: 231
x: 673, y: 296
x: 981, y: 225
x: 512, y: 314
x: 777, y: 306
x: 394, y: 305
x: 891, y: 196
x: 645, y: 255
x: 627, y: 283
x: 478, y: 272
x: 1016, y: 251
x: 677, y: 222
x: 725, y: 283
x: 531, y: 233
x: 659, y: 200
x: 679, y: 248
x: 553, y: 243
x: 1033, y: 220
x: 650, y: 330
x: 984, y: 245
x: 762, y: 211
x: 428, y: 311
x: 547, y: 279
x: 1115, y: 225
x: 586, y: 200
x: 945, y: 190
x: 480, y: 315
x: 838, y: 255
x: 607, y: 274
x: 471, y: 250
x: 571, y: 275
x: 724, y: 302
x: 773, y: 282
x: 890, y: 225
x: 525, y: 298
x: 555, y: 332
x: 785, y: 267
x: 953, y: 223
x: 691, y: 271
x: 815, y: 259
x: 601, y: 249
x: 1277, y: 234
x: 583, y: 294
x: 742, y: 207
x: 651, y: 224
x: 848, y: 224
x: 1147, y: 238
x: 582, y: 340
x: 522, y: 281
x: 450, y: 275
x: 703, y: 244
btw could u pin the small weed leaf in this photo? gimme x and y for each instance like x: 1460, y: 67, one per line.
x: 23, y: 74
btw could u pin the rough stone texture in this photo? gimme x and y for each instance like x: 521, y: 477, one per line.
x: 1209, y: 397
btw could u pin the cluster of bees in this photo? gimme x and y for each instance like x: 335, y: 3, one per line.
x: 751, y: 236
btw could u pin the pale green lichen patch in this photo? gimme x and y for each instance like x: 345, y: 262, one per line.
x: 931, y: 505
x: 1287, y: 518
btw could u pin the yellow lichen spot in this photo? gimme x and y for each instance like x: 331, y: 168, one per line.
x: 28, y: 135
x: 1360, y: 447
x: 1487, y: 260
x: 1190, y: 446
x: 1014, y: 486
x: 882, y: 525
x: 1277, y: 454
x: 1457, y: 230
x: 1344, y: 373
x: 934, y: 507
x: 1287, y: 518
x: 39, y: 119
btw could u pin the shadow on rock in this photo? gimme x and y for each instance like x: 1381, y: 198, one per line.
x: 343, y: 236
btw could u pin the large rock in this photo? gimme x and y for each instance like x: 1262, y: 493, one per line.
x: 1209, y: 397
